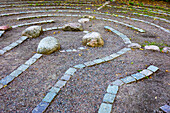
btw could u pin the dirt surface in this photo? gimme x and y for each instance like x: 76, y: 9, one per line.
x: 84, y: 92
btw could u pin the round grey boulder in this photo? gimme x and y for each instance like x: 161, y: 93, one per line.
x: 48, y: 45
x: 73, y: 27
x: 93, y: 39
x: 32, y: 32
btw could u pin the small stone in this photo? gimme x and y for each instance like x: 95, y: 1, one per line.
x: 134, y: 46
x: 138, y: 76
x: 117, y: 82
x: 23, y: 67
x: 146, y: 72
x: 66, y: 77
x: 105, y: 108
x: 7, y: 80
x: 16, y: 73
x: 128, y: 79
x: 73, y: 27
x: 83, y: 20
x: 165, y: 108
x: 79, y: 66
x: 153, y: 68
x: 60, y: 84
x: 32, y: 32
x: 54, y: 90
x: 89, y: 63
x: 71, y: 71
x: 113, y: 89
x: 109, y: 98
x: 30, y: 61
x: 42, y: 106
x: 152, y: 47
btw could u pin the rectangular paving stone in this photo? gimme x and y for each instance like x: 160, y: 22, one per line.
x: 1, y: 86
x: 165, y: 108
x: 7, y: 48
x: 71, y: 71
x: 117, y: 82
x: 105, y: 108
x: 66, y: 77
x: 49, y: 97
x: 89, y: 63
x: 153, y: 68
x: 98, y: 61
x: 2, y: 52
x: 82, y: 48
x: 107, y: 58
x: 7, y: 80
x: 41, y: 107
x: 114, y: 55
x: 13, y: 44
x: 30, y: 61
x: 79, y: 66
x: 23, y: 67
x: 124, y: 50
x: 16, y: 73
x: 23, y: 38
x: 109, y: 98
x: 54, y: 90
x: 113, y: 89
x: 60, y: 84
x: 146, y: 72
x: 37, y: 56
x: 54, y: 28
x: 128, y: 79
x: 19, y: 41
x: 138, y: 76
x: 1, y: 33
x: 68, y: 50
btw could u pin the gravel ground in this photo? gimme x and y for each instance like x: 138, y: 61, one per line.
x: 85, y: 91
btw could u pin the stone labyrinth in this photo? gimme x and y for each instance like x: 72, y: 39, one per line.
x: 83, y: 57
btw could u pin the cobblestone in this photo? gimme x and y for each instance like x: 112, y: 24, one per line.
x: 42, y: 106
x: 146, y: 72
x: 128, y: 79
x: 117, y: 82
x: 54, y: 90
x: 71, y: 71
x: 6, y: 80
x: 109, y: 98
x: 23, y: 67
x: 113, y: 89
x: 49, y: 97
x: 105, y: 108
x: 16, y: 73
x: 89, y: 63
x: 66, y: 77
x: 79, y: 66
x: 60, y: 84
x: 138, y: 76
x: 153, y: 68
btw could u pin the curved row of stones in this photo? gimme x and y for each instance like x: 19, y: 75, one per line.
x: 112, y: 89
x: 79, y: 11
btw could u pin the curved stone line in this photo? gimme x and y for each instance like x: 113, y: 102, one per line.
x: 51, y: 7
x: 5, y: 81
x: 52, y: 93
x: 139, y: 10
x: 154, y: 17
x: 112, y: 89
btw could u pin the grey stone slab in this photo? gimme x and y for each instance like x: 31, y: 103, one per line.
x: 2, y: 52
x: 60, y: 84
x: 48, y: 29
x: 107, y: 58
x: 165, y: 108
x: 37, y: 56
x: 66, y: 77
x: 1, y: 86
x: 30, y: 61
x: 68, y: 50
x: 89, y: 63
x: 128, y: 79
x: 23, y: 67
x: 14, y: 44
x: 138, y: 76
x: 109, y: 98
x: 98, y: 61
x: 114, y: 55
x: 23, y: 38
x: 54, y: 90
x: 7, y: 80
x: 117, y: 82
x: 124, y: 50
x: 16, y: 73
x: 41, y: 107
x: 71, y: 71
x: 105, y: 108
x: 49, y: 97
x: 82, y: 48
x: 153, y: 68
x: 7, y: 48
x: 19, y: 41
x: 113, y: 89
x: 79, y: 66
x: 146, y: 72
x: 54, y: 28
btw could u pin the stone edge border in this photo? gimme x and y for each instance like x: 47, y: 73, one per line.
x: 5, y: 81
x: 112, y: 89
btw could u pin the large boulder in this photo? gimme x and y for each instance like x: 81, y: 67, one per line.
x: 93, y: 39
x: 48, y: 45
x: 32, y: 32
x: 73, y: 27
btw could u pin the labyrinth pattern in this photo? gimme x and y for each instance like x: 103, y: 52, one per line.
x: 79, y: 78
